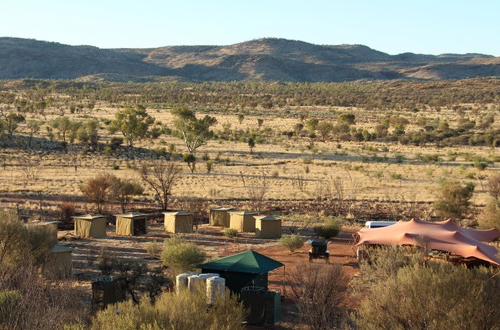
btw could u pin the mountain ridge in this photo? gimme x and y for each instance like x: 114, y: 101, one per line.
x: 269, y: 59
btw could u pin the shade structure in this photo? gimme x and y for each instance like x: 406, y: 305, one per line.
x: 131, y: 224
x: 178, y: 222
x: 90, y: 226
x: 59, y: 262
x: 244, y: 269
x: 242, y: 221
x: 219, y: 216
x: 442, y: 236
x: 267, y: 226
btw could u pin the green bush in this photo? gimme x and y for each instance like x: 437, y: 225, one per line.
x: 329, y: 229
x: 230, y: 233
x: 453, y: 199
x: 436, y: 296
x: 490, y: 216
x: 181, y: 256
x: 292, y: 242
x: 186, y: 310
x: 153, y: 249
x: 20, y: 243
x: 9, y: 300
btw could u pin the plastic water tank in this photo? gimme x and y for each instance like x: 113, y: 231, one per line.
x: 206, y: 276
x: 194, y: 281
x: 215, y: 286
x: 181, y: 282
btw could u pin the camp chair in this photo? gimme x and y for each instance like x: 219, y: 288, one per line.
x: 319, y: 249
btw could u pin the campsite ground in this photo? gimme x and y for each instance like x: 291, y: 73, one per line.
x: 212, y: 241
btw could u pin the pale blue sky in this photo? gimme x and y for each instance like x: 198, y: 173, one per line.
x: 419, y: 26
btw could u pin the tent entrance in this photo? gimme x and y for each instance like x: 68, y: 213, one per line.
x: 139, y: 227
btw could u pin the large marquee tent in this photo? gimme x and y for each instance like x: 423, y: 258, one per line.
x: 441, y: 236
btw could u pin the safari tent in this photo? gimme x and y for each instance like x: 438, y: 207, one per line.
x: 178, y: 222
x: 219, y: 216
x: 242, y: 221
x: 90, y: 226
x: 59, y: 262
x: 244, y: 269
x: 48, y: 225
x: 267, y: 226
x: 131, y: 224
x: 443, y: 236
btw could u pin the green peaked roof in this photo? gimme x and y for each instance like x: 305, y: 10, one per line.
x: 246, y: 262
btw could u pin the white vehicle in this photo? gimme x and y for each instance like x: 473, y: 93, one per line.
x: 378, y: 224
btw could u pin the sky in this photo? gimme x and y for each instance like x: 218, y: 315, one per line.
x: 391, y: 26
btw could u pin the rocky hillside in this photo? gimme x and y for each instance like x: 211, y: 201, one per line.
x: 262, y: 59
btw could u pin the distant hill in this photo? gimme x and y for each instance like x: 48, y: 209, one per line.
x: 263, y: 59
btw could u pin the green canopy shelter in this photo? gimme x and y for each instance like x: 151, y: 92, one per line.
x: 244, y: 269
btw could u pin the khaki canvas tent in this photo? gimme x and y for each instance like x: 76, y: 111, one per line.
x: 59, y: 262
x: 131, y: 224
x: 441, y: 236
x: 242, y: 221
x: 219, y: 216
x: 49, y: 225
x: 267, y: 226
x: 178, y: 222
x: 90, y: 226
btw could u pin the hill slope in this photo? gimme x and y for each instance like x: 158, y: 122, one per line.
x: 262, y: 59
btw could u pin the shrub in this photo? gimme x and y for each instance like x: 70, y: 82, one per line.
x: 329, y: 229
x: 116, y: 142
x: 153, y: 249
x: 9, y: 300
x: 190, y: 160
x: 453, y: 199
x: 292, y: 242
x: 230, y: 233
x: 186, y: 310
x: 209, y: 165
x: 97, y: 190
x: 480, y: 165
x: 490, y: 217
x: 181, y: 256
x: 318, y: 294
x: 23, y: 252
x: 494, y: 186
x: 66, y: 212
x: 21, y: 244
x: 438, y: 296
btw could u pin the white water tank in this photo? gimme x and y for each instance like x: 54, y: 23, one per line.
x: 206, y: 276
x: 181, y: 282
x: 194, y: 281
x: 215, y: 286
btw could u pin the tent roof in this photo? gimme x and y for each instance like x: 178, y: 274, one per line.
x: 60, y: 249
x: 89, y: 216
x: 244, y: 212
x: 222, y: 208
x: 177, y: 213
x: 443, y: 236
x: 267, y: 218
x: 246, y: 262
x: 131, y: 215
